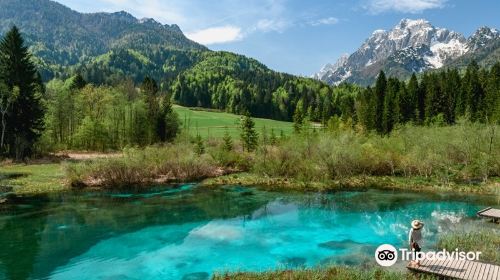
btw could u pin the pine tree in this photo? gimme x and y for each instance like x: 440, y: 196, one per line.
x: 78, y: 82
x: 474, y: 94
x: 365, y: 108
x: 421, y: 97
x: 6, y: 99
x: 391, y: 114
x: 451, y: 89
x: 492, y: 95
x: 298, y: 117
x: 410, y: 105
x: 249, y: 136
x: 432, y: 102
x: 228, y: 142
x: 167, y: 123
x: 25, y: 117
x: 380, y: 91
x: 199, y: 145
x: 149, y: 91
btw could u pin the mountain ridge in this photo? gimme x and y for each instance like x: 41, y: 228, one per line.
x: 410, y: 46
x: 61, y: 37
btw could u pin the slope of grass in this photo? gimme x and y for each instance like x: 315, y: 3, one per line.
x: 213, y: 124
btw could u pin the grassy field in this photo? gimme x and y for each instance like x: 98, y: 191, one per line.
x: 33, y: 178
x: 213, y: 124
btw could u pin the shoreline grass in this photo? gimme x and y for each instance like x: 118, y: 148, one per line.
x: 326, y: 273
x: 486, y: 241
x: 25, y: 179
x: 389, y: 183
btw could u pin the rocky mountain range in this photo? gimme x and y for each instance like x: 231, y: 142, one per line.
x: 411, y: 46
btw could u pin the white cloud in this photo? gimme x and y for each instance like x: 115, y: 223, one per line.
x: 324, y: 21
x: 267, y: 25
x: 216, y: 35
x: 404, y: 6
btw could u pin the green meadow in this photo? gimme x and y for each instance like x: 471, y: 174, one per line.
x: 213, y: 124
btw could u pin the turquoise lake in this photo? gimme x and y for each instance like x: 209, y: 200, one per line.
x: 190, y: 232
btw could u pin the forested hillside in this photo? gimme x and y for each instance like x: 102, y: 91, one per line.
x: 62, y: 39
x: 111, y: 80
x: 237, y: 84
x: 110, y: 48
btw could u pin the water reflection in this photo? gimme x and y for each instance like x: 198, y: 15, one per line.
x: 188, y: 232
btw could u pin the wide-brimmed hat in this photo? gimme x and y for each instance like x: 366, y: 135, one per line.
x: 417, y: 224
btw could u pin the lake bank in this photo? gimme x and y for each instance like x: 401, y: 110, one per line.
x: 29, y: 179
x: 389, y: 183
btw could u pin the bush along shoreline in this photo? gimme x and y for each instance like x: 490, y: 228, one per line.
x: 142, y: 167
x: 460, y: 158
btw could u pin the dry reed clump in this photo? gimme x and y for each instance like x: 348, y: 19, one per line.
x: 156, y: 164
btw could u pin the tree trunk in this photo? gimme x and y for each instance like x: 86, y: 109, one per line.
x: 4, y: 125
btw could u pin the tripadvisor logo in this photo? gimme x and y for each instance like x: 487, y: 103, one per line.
x: 387, y: 255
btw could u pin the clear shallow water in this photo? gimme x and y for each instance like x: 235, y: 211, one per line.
x: 185, y: 232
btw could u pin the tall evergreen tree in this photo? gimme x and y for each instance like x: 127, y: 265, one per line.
x: 78, y: 82
x: 365, y: 108
x: 380, y: 91
x: 492, y: 95
x: 227, y: 141
x: 298, y: 117
x: 25, y: 118
x: 451, y: 88
x: 391, y: 113
x: 149, y: 90
x: 6, y: 99
x: 410, y: 106
x: 167, y: 122
x: 249, y: 135
x: 474, y: 94
x: 421, y: 97
x: 432, y: 97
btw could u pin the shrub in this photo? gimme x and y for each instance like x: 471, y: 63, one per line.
x: 155, y: 164
x: 463, y: 152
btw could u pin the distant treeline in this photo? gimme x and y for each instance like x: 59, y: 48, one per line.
x: 233, y: 84
x: 440, y: 97
x: 76, y: 114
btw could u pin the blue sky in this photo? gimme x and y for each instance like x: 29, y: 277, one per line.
x: 297, y: 36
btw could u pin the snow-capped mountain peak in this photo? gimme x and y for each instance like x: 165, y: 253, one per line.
x: 414, y: 45
x: 482, y: 37
x: 332, y: 67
